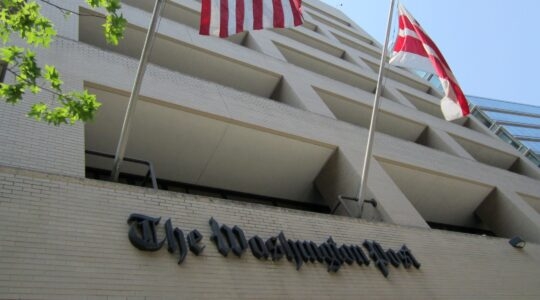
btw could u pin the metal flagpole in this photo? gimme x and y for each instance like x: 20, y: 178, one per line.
x: 121, y: 148
x: 375, y: 110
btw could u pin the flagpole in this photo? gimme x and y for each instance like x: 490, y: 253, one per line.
x: 124, y: 133
x: 374, y: 113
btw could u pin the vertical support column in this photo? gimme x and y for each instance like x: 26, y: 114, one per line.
x: 392, y: 203
x: 261, y: 41
x: 299, y: 93
x: 507, y: 214
x: 339, y: 177
x: 390, y: 89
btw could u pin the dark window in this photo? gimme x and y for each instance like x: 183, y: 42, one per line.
x: 187, y: 188
x: 505, y: 137
x: 461, y: 229
x: 3, y: 69
x: 482, y: 118
x: 535, y: 159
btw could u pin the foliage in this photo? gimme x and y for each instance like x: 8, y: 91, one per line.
x: 24, y: 19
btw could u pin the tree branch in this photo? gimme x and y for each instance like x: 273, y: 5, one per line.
x: 65, y: 10
x: 29, y: 82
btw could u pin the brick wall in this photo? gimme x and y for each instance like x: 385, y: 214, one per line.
x: 66, y: 238
x: 33, y: 145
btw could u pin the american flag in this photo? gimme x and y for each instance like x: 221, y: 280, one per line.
x: 227, y: 17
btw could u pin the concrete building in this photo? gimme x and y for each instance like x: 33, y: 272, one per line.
x: 515, y: 123
x: 264, y: 130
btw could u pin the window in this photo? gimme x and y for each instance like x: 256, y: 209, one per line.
x: 3, y: 69
x: 503, y: 105
x: 482, y: 118
x: 168, y: 185
x: 506, y: 117
x: 507, y: 138
x: 535, y: 159
x: 523, y: 131
x: 533, y: 145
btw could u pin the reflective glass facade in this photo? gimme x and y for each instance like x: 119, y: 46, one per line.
x: 512, y: 118
x: 515, y: 123
x: 534, y: 146
x: 523, y: 131
x: 503, y: 105
x: 432, y: 78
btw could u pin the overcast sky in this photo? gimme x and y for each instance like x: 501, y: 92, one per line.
x: 491, y: 45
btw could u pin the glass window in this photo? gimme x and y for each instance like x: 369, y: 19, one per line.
x: 510, y: 106
x: 3, y: 69
x: 505, y: 137
x: 535, y: 159
x: 523, y: 131
x: 505, y: 117
x: 482, y: 118
x: 533, y: 145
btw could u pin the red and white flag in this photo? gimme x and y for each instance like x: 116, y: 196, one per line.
x: 415, y: 49
x: 227, y: 17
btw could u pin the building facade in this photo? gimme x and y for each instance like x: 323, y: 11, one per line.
x: 265, y: 130
x: 515, y: 123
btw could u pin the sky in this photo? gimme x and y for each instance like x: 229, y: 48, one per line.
x: 491, y: 45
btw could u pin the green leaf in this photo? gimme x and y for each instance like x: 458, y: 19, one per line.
x: 115, y: 24
x: 114, y: 28
x: 24, y: 18
x: 12, y: 93
x: 11, y: 54
x: 37, y: 110
x: 52, y: 75
x: 35, y: 89
x: 28, y: 68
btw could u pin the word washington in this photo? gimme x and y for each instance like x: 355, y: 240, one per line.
x: 143, y: 236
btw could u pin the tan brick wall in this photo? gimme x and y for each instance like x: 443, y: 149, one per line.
x: 33, y: 145
x: 66, y: 238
